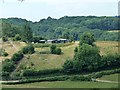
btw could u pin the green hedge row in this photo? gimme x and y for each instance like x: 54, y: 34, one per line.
x: 39, y: 45
x: 68, y: 77
x: 31, y: 72
x: 55, y: 78
x: 108, y: 72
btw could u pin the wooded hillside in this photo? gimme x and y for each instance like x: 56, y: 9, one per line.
x: 65, y: 27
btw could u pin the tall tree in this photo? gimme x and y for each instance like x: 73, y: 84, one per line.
x: 27, y: 34
x: 87, y: 38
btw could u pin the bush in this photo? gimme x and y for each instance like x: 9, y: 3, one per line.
x: 8, y: 65
x: 58, y: 51
x: 4, y: 39
x: 17, y: 37
x: 68, y: 66
x: 28, y: 49
x: 80, y: 78
x: 108, y: 72
x: 110, y: 61
x: 55, y: 50
x: 5, y: 54
x: 52, y: 49
x: 17, y: 57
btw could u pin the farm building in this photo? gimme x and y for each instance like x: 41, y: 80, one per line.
x: 42, y: 41
x: 57, y: 41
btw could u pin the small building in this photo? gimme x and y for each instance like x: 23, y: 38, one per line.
x: 42, y: 41
x: 57, y: 41
x: 63, y: 40
x: 52, y: 41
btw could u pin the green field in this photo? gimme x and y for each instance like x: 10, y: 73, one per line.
x: 10, y: 49
x: 50, y: 61
x: 64, y: 84
x: 112, y: 77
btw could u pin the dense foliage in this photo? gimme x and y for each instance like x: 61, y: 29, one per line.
x: 65, y: 27
x: 9, y: 65
x: 29, y: 49
x: 3, y: 53
x: 87, y: 38
x: 55, y: 50
x: 88, y: 59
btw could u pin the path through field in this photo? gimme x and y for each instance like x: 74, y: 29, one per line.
x: 106, y: 81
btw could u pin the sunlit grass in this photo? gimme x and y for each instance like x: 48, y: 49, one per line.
x: 64, y: 84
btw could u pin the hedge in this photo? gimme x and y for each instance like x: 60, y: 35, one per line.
x: 31, y: 72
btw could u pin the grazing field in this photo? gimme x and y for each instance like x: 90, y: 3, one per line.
x: 64, y: 84
x: 107, y: 47
x: 51, y: 61
x: 11, y: 48
x: 40, y: 61
x: 48, y: 61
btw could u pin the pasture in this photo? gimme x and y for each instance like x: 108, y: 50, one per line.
x: 11, y: 48
x: 39, y: 61
x: 64, y: 84
x: 51, y: 61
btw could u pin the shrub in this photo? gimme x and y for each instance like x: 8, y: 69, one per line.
x: 28, y: 49
x: 17, y: 57
x: 55, y: 50
x: 52, y: 49
x: 80, y: 78
x: 5, y: 54
x: 17, y: 37
x: 68, y: 66
x: 58, y: 51
x: 4, y: 39
x: 110, y: 61
x: 8, y: 66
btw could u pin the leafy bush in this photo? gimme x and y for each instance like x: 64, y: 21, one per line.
x: 107, y: 72
x: 110, y: 61
x: 17, y: 57
x: 52, y: 49
x: 68, y: 66
x: 17, y: 37
x: 58, y: 51
x: 80, y: 78
x: 28, y: 49
x: 55, y: 50
x: 4, y: 39
x: 8, y: 66
x: 5, y: 54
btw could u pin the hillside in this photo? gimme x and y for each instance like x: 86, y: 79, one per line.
x: 51, y: 61
x: 66, y: 27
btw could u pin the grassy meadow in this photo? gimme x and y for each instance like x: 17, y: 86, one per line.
x: 10, y: 49
x: 64, y: 84
x: 51, y: 61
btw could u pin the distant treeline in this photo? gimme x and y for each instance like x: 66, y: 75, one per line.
x: 66, y: 27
